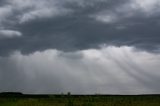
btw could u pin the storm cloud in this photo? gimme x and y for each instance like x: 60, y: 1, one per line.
x: 78, y: 24
x: 82, y: 46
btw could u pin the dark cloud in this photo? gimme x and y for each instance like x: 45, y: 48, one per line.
x: 79, y: 30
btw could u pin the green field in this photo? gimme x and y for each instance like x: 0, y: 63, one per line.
x: 80, y: 100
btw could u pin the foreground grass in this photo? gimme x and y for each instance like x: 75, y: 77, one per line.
x: 64, y: 100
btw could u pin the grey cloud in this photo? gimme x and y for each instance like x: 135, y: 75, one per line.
x: 9, y: 34
x: 15, y: 12
x: 82, y: 72
x: 129, y: 9
x: 78, y: 28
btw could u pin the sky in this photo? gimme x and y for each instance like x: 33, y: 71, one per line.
x: 80, y: 46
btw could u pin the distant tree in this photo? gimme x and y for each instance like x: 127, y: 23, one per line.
x: 69, y: 93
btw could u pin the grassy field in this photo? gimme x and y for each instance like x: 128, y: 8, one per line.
x: 80, y: 100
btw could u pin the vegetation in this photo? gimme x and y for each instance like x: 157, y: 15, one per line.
x: 78, y: 100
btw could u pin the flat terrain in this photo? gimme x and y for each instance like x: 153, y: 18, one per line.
x: 79, y: 100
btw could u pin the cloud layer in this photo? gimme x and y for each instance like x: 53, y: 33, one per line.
x: 109, y: 70
x: 78, y: 24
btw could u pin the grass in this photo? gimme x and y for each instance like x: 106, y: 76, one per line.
x: 80, y: 100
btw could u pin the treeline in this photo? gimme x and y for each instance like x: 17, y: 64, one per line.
x: 19, y: 94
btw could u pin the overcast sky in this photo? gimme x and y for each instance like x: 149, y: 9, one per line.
x: 81, y: 46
